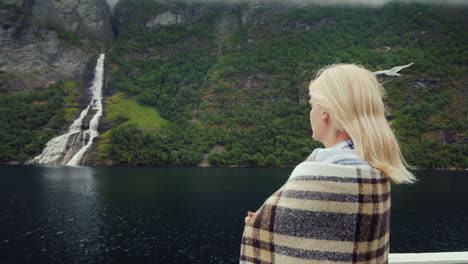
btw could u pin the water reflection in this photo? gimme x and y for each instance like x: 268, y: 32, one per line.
x: 48, y: 214
x: 184, y: 215
x: 70, y: 206
x: 431, y: 215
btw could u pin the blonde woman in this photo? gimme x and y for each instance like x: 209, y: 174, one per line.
x: 335, y: 206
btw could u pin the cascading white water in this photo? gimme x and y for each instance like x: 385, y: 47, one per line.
x: 69, y: 148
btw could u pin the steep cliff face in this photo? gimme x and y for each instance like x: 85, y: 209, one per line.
x: 35, y: 57
x: 88, y: 17
x: 160, y: 13
x: 42, y: 42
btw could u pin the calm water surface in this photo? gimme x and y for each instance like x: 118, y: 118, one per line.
x: 185, y: 215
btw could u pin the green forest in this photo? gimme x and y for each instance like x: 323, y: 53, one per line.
x: 243, y: 87
x: 29, y: 120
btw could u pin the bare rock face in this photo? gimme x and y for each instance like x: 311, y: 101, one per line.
x: 166, y: 18
x: 174, y: 16
x: 34, y: 56
x: 86, y: 17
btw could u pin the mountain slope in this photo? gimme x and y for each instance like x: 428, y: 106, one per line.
x: 236, y: 76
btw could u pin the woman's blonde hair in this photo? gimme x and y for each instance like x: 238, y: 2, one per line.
x: 353, y: 97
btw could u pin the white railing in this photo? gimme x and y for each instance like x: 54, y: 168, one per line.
x: 431, y: 258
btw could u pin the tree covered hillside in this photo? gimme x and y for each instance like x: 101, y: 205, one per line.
x: 236, y: 77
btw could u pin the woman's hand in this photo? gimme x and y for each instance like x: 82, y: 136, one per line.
x: 249, y: 216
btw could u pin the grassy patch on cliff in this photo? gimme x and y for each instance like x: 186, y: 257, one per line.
x: 120, y: 107
x: 4, y: 78
x: 68, y: 36
x: 122, y: 110
x: 4, y: 6
x: 72, y: 108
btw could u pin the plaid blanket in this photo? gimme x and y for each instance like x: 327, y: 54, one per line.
x: 324, y: 213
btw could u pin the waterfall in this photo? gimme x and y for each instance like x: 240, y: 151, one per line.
x: 69, y: 148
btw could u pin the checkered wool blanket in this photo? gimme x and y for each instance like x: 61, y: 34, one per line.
x: 324, y: 213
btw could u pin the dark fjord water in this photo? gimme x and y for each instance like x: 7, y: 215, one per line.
x: 185, y: 215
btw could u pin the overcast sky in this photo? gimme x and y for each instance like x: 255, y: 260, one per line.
x: 373, y: 3
x: 351, y: 2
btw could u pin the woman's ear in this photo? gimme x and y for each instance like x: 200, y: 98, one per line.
x: 325, y: 116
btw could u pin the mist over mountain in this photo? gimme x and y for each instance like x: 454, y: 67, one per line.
x: 369, y: 3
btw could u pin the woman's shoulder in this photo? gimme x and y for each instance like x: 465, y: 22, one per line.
x: 329, y: 171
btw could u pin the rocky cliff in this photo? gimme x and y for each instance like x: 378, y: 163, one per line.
x: 44, y: 41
